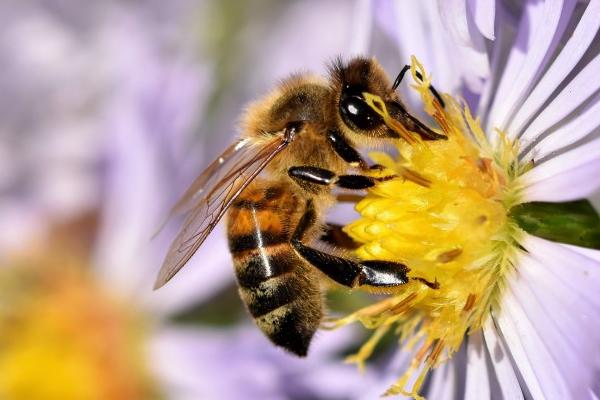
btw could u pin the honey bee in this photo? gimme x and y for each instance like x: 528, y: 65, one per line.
x: 275, y: 183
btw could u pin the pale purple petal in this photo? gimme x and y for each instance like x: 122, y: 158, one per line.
x: 241, y: 364
x: 477, y: 384
x: 360, y: 36
x: 572, y: 316
x: 564, y: 63
x: 569, y: 176
x: 443, y: 382
x: 589, y: 253
x: 532, y: 356
x: 454, y: 17
x: 506, y: 31
x: 584, y: 85
x: 483, y: 12
x: 418, y: 29
x: 575, y: 129
x: 207, y: 272
x: 501, y: 363
x: 583, y: 271
x: 553, y: 331
x: 540, y: 31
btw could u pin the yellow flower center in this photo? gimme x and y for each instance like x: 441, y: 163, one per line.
x: 61, y: 337
x: 447, y: 220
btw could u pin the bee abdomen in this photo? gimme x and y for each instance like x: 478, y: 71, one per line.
x: 285, y: 304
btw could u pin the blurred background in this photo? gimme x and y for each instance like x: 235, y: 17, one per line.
x: 108, y: 110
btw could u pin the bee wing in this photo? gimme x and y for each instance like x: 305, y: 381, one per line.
x: 191, y: 196
x: 210, y: 196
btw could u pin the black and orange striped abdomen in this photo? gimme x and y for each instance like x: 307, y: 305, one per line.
x: 279, y: 289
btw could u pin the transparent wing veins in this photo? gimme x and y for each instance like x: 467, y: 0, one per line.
x: 211, y: 194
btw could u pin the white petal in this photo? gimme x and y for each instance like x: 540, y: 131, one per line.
x: 564, y: 63
x: 589, y: 253
x: 502, y: 364
x: 574, y: 318
x: 540, y: 26
x: 539, y: 370
x: 500, y: 52
x: 569, y: 176
x: 477, y: 384
x: 443, y: 382
x: 580, y: 273
x: 572, y: 96
x: 566, y: 344
x: 484, y: 12
x: 568, y: 133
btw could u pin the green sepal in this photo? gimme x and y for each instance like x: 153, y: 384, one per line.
x: 574, y: 222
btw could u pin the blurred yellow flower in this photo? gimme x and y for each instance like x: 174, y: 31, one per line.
x: 63, y: 337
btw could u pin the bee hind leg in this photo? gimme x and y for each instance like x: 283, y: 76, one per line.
x: 335, y: 236
x: 344, y: 271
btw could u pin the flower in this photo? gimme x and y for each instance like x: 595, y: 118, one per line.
x: 509, y: 314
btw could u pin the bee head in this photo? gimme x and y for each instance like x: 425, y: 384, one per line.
x: 355, y: 85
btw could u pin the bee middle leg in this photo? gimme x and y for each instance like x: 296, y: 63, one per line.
x: 323, y: 177
x: 347, y: 272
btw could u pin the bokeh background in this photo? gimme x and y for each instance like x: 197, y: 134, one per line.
x: 107, y: 112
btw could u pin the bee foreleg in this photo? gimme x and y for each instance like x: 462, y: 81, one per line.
x: 346, y: 272
x: 344, y: 149
x: 321, y: 176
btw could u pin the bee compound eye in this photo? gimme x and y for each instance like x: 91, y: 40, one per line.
x: 357, y: 114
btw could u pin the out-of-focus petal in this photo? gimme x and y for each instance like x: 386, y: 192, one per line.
x: 569, y: 176
x: 454, y: 17
x: 501, y: 363
x: 360, y: 37
x: 242, y: 364
x: 418, y: 29
x: 561, y: 67
x: 483, y: 12
x: 207, y: 272
x: 540, y: 30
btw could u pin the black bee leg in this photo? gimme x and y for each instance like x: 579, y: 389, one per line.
x: 323, y: 177
x: 420, y: 77
x: 400, y: 77
x: 346, y: 272
x: 345, y: 150
x: 335, y: 236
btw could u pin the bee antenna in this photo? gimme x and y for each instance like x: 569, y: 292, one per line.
x: 400, y: 77
x: 432, y: 89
